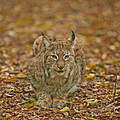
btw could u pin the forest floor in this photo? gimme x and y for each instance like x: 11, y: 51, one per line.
x: 96, y: 22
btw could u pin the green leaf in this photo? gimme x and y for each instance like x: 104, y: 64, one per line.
x: 70, y: 117
x: 27, y: 106
x: 32, y: 100
x: 65, y: 109
x: 9, y: 90
x: 102, y: 66
x: 43, y: 107
x: 91, y: 118
x: 91, y: 101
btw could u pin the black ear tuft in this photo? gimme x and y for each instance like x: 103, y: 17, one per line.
x: 72, y: 37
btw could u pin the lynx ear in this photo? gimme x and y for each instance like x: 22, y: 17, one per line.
x: 45, y: 42
x: 72, y: 37
x: 37, y: 45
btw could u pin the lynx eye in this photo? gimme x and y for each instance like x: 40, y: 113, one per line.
x: 55, y: 57
x: 66, y: 57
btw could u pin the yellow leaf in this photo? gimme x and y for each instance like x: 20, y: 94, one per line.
x: 9, y: 111
x: 96, y: 51
x: 109, y: 96
x: 118, y: 91
x: 91, y: 101
x: 65, y: 109
x: 17, y: 90
x: 110, y: 114
x: 102, y: 75
x: 98, y: 83
x: 21, y: 75
x: 8, y: 115
x: 105, y: 84
x: 71, y: 101
x: 92, y: 66
x: 43, y: 107
x: 91, y: 118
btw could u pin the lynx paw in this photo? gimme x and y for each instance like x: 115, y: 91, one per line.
x: 59, y: 103
x: 43, y: 104
x: 44, y: 100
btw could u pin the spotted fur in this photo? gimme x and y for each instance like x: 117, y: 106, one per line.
x: 56, y: 70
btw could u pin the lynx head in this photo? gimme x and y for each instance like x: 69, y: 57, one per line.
x: 59, y: 55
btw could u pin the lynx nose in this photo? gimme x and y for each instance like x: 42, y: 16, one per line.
x: 60, y: 64
x: 60, y: 67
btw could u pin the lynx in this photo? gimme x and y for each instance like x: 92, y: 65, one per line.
x: 56, y: 70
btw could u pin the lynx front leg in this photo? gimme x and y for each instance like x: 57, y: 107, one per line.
x: 58, y: 102
x: 44, y: 100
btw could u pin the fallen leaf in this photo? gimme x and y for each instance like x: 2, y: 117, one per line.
x: 27, y: 106
x: 9, y: 111
x: 92, y: 66
x: 21, y: 75
x: 90, y: 76
x: 32, y: 100
x: 8, y: 115
x: 118, y: 90
x: 91, y: 118
x: 65, y: 109
x: 70, y: 117
x: 43, y: 107
x: 12, y: 79
x: 110, y: 114
x: 96, y: 51
x: 9, y: 90
x: 17, y: 90
x: 109, y: 96
x: 91, y: 101
x: 105, y: 84
x: 101, y: 66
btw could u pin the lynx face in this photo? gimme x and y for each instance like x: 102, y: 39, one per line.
x: 59, y: 59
